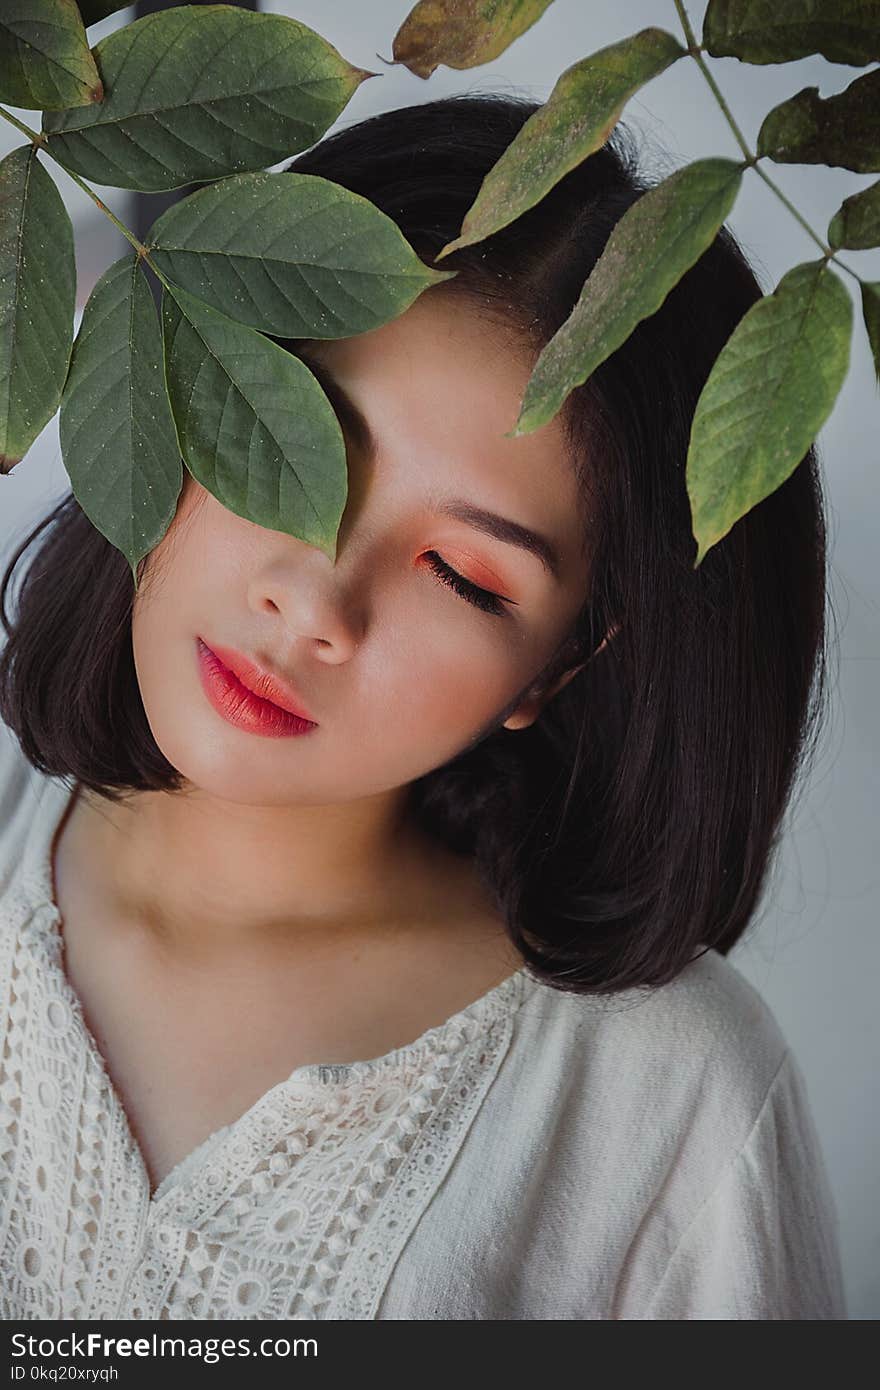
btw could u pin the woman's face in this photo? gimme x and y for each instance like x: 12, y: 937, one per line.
x: 399, y: 671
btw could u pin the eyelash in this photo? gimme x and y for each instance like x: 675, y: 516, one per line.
x: 480, y: 598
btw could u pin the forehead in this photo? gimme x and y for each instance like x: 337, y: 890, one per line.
x: 441, y: 347
x: 440, y: 386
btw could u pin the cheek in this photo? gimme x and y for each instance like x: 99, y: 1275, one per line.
x: 194, y: 555
x: 439, y: 689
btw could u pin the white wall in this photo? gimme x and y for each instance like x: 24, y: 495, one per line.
x: 814, y: 948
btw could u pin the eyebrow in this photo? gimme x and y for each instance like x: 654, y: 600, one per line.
x: 500, y: 528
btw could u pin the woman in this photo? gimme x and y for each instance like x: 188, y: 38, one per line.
x: 406, y: 997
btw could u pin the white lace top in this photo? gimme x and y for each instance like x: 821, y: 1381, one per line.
x: 535, y: 1156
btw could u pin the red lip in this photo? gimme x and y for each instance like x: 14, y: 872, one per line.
x: 261, y: 682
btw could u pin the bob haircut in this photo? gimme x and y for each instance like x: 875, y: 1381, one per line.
x: 630, y: 828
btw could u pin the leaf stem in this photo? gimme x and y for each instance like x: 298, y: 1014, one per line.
x: 41, y: 141
x: 696, y: 52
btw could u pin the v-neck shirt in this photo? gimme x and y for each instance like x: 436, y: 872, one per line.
x: 537, y: 1155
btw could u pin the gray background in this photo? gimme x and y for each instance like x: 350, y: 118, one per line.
x: 813, y: 948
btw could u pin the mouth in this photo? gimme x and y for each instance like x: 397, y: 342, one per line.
x: 261, y: 682
x: 248, y: 696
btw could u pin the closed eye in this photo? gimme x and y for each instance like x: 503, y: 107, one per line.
x: 480, y: 598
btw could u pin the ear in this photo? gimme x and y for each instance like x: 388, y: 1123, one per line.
x: 529, y: 709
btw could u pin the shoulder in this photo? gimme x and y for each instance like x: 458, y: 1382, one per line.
x: 650, y: 1155
x: 682, y: 1119
x: 709, y: 1014
x: 701, y: 1051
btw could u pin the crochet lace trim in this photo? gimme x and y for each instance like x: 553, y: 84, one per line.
x: 298, y: 1209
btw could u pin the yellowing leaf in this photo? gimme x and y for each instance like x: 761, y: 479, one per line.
x: 461, y: 33
x: 770, y: 390
x: 575, y: 120
x: 658, y: 238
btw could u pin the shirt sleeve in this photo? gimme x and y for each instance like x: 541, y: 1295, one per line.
x: 764, y: 1244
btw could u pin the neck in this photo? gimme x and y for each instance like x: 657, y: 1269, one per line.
x: 202, y: 876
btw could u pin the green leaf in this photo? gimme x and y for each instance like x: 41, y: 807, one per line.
x: 871, y: 315
x: 93, y: 10
x: 461, y: 33
x: 778, y: 31
x: 770, y: 390
x: 255, y: 428
x: 118, y: 441
x: 37, y: 301
x: 290, y: 254
x: 199, y: 92
x: 842, y: 130
x: 658, y: 238
x: 856, y: 224
x: 576, y: 119
x: 45, y: 59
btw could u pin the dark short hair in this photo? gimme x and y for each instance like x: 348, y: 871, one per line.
x: 632, y: 825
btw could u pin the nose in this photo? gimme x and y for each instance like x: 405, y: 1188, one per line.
x: 304, y: 590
